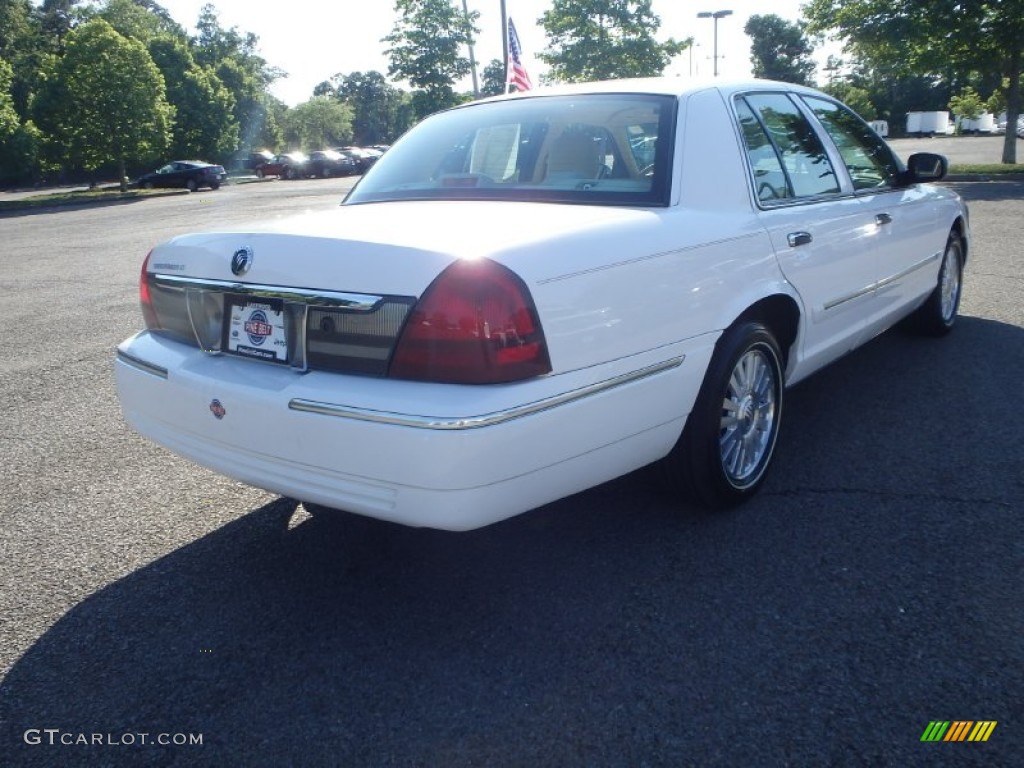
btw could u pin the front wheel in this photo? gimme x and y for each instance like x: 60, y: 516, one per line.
x: 191, y: 185
x: 937, y: 316
x: 723, y: 455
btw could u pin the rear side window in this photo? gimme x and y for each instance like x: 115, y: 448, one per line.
x: 867, y: 157
x: 770, y: 180
x: 799, y: 151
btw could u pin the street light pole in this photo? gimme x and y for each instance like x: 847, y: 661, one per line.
x: 716, y: 15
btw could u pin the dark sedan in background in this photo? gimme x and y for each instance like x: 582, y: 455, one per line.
x: 188, y: 174
x: 327, y: 162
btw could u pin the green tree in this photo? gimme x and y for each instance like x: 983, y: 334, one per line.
x: 9, y: 120
x: 204, y: 125
x: 425, y: 50
x: 21, y: 46
x: 381, y: 112
x: 56, y: 20
x: 780, y: 49
x: 493, y: 78
x: 605, y: 40
x: 855, y: 97
x: 142, y: 20
x: 967, y: 104
x: 235, y: 60
x: 320, y: 122
x: 937, y: 38
x: 103, y: 102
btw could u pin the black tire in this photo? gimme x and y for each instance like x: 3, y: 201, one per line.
x: 191, y: 185
x: 215, y: 186
x: 937, y: 316
x: 259, y: 173
x: 721, y: 460
x: 147, y: 185
x: 290, y: 174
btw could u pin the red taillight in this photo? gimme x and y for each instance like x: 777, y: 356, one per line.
x: 475, y: 324
x: 145, y: 300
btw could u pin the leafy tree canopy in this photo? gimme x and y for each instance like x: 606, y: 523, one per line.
x: 425, y: 48
x: 934, y: 37
x: 321, y: 122
x: 780, y: 49
x: 140, y: 19
x: 103, y: 101
x: 494, y: 78
x: 205, y: 125
x: 604, y: 39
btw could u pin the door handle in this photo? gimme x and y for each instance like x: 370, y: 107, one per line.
x: 882, y: 219
x: 797, y: 239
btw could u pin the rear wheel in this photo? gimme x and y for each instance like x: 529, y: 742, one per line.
x: 190, y: 185
x: 259, y: 173
x: 215, y: 186
x: 147, y: 185
x: 290, y: 174
x: 937, y: 316
x: 723, y: 455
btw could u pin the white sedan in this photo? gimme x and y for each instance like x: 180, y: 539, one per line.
x: 531, y: 295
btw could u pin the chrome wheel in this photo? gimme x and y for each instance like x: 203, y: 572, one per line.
x: 748, y: 417
x: 724, y: 453
x: 949, y: 285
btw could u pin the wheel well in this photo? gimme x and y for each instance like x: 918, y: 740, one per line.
x: 782, y: 315
x: 958, y: 228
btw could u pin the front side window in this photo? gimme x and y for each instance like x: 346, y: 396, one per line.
x: 868, y: 159
x: 808, y: 171
x: 603, y: 149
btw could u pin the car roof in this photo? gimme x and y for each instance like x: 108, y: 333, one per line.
x: 666, y: 86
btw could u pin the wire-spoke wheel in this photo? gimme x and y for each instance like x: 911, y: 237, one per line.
x: 727, y: 445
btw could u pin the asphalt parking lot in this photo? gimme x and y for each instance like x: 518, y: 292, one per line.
x: 873, y: 587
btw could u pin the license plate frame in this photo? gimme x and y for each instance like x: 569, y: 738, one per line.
x: 256, y: 328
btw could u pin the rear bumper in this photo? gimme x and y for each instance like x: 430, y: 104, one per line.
x: 455, y: 457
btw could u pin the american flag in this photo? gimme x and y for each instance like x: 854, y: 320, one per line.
x: 516, y: 71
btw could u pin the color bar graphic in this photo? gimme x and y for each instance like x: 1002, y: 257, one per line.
x: 958, y: 730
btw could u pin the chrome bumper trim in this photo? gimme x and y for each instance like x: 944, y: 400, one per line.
x: 141, y: 365
x: 484, y: 420
x: 356, y: 302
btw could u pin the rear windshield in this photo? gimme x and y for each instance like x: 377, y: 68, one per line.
x: 598, y: 149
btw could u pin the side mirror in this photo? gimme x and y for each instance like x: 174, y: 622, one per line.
x: 925, y: 167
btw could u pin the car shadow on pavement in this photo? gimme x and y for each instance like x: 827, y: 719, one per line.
x: 816, y: 625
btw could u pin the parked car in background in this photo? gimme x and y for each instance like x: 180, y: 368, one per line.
x: 255, y: 159
x: 186, y: 174
x: 291, y: 165
x: 364, y: 158
x: 327, y: 162
x: 530, y: 295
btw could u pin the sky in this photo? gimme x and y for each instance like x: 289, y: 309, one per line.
x: 314, y: 39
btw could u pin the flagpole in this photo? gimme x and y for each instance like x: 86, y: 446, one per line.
x: 504, y: 41
x: 472, y: 56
